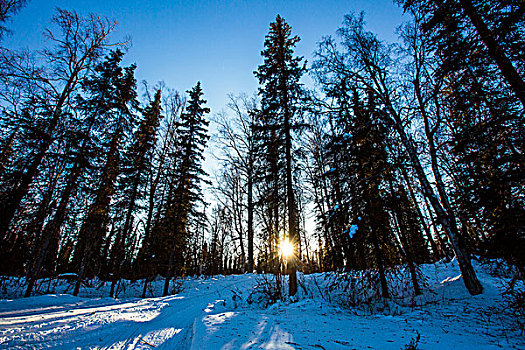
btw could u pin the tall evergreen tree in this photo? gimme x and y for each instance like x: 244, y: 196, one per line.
x: 359, y: 170
x: 280, y: 92
x: 113, y: 94
x: 135, y: 165
x: 184, y: 191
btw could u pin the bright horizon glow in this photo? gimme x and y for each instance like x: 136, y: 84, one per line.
x: 286, y: 249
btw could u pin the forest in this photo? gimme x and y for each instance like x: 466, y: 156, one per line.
x: 398, y: 154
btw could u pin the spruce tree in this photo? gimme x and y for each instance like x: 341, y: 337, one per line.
x: 369, y: 160
x: 113, y: 94
x: 136, y: 161
x: 184, y: 190
x: 280, y: 92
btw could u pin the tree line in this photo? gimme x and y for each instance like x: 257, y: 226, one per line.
x: 402, y: 153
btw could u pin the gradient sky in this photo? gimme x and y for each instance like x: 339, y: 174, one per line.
x: 216, y: 42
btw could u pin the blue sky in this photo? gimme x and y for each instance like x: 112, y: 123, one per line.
x: 216, y: 42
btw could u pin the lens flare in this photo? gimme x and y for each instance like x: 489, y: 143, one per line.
x: 286, y: 248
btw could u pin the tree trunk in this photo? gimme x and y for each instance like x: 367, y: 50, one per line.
x: 380, y: 263
x: 171, y: 259
x: 169, y: 273
x: 292, y: 208
x: 440, y: 185
x: 51, y: 232
x: 495, y: 51
x: 145, y: 289
x: 406, y: 249
x: 9, y: 208
x: 467, y: 271
x: 81, y: 271
x: 250, y: 217
x: 131, y: 207
x: 94, y: 226
x: 426, y: 229
x: 33, y: 269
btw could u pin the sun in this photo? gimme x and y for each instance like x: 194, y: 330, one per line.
x: 286, y: 249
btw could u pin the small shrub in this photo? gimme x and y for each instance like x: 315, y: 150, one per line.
x: 360, y: 290
x: 268, y: 290
x: 515, y: 297
x: 412, y: 345
x: 177, y: 286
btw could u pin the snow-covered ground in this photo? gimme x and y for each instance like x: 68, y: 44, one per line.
x: 218, y: 313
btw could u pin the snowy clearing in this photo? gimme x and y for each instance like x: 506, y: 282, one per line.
x: 214, y: 313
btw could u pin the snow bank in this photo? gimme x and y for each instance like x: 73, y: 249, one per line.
x: 223, y: 312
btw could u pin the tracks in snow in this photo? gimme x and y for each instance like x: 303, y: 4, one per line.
x: 160, y: 323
